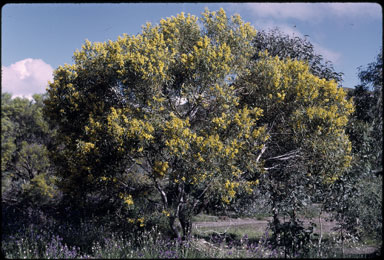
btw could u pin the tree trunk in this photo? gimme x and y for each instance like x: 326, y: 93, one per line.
x: 321, y: 234
x: 186, y: 225
x: 174, y: 227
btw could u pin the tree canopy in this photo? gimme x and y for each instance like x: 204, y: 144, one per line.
x: 180, y: 115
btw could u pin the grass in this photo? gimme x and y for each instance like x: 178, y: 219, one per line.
x: 89, y: 240
x: 238, y: 242
x: 150, y: 244
x: 204, y: 218
x: 232, y: 232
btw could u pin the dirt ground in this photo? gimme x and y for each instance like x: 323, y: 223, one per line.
x: 262, y: 224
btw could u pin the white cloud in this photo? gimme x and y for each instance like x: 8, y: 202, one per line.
x: 300, y: 11
x: 26, y: 77
x: 355, y: 9
x: 314, y: 11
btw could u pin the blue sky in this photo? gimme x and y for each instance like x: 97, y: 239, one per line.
x: 37, y: 38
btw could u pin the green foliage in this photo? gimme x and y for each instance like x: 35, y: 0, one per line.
x: 25, y: 164
x: 305, y: 117
x: 150, y: 130
x: 7, y: 141
x: 293, y: 237
x: 32, y: 160
x: 368, y: 208
x: 27, y: 117
x: 41, y: 190
x: 305, y: 114
x: 284, y: 46
x: 372, y: 78
x: 357, y: 198
x: 7, y: 133
x: 181, y: 117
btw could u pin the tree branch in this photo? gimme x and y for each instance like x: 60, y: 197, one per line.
x: 286, y: 156
x: 261, y: 153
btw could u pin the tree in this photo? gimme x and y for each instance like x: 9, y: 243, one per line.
x: 7, y: 134
x: 305, y: 117
x: 25, y: 137
x: 357, y: 198
x: 277, y: 43
x: 182, y: 111
x: 372, y: 79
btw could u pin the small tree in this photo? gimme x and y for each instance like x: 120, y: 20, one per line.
x: 357, y: 198
x: 182, y: 111
x: 25, y: 137
x: 7, y: 133
x: 305, y: 117
x: 371, y: 79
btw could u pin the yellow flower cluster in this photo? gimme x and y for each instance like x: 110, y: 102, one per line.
x: 234, y: 33
x: 171, y: 25
x: 120, y: 127
x: 179, y: 133
x: 200, y: 176
x: 166, y: 213
x: 87, y: 147
x: 225, y: 94
x: 127, y: 199
x: 218, y: 22
x: 217, y: 58
x: 139, y: 221
x: 176, y: 123
x: 230, y: 190
x: 260, y: 132
x: 320, y: 104
x: 148, y: 54
x: 199, y: 157
x: 328, y: 114
x: 221, y: 122
x: 158, y: 99
x: 249, y: 184
x: 213, y: 142
x: 141, y: 129
x: 160, y: 168
x: 236, y: 171
x: 104, y: 178
x: 245, y: 122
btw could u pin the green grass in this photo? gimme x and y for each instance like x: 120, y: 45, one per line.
x: 233, y: 232
x: 236, y: 241
x: 204, y: 218
x: 262, y: 216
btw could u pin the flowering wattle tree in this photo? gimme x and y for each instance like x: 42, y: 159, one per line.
x: 167, y: 112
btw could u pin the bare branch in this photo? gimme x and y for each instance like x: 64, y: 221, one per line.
x: 287, y: 156
x: 261, y: 153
